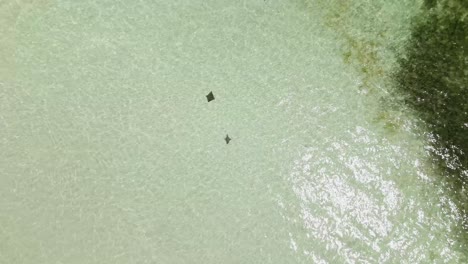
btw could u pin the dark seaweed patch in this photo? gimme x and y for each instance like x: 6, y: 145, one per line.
x: 430, y: 3
x: 433, y: 78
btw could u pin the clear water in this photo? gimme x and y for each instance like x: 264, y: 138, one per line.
x: 110, y: 152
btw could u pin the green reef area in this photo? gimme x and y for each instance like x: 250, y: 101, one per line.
x: 432, y: 77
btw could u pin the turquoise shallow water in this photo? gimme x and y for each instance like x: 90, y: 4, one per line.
x: 111, y: 153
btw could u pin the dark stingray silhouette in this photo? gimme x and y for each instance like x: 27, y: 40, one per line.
x: 210, y: 97
x: 227, y: 139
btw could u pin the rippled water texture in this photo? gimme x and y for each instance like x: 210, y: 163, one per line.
x: 110, y: 152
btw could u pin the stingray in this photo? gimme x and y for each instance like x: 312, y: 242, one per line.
x: 227, y: 139
x: 210, y: 97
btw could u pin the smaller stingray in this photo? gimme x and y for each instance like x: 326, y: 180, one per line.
x: 210, y: 97
x: 227, y: 139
